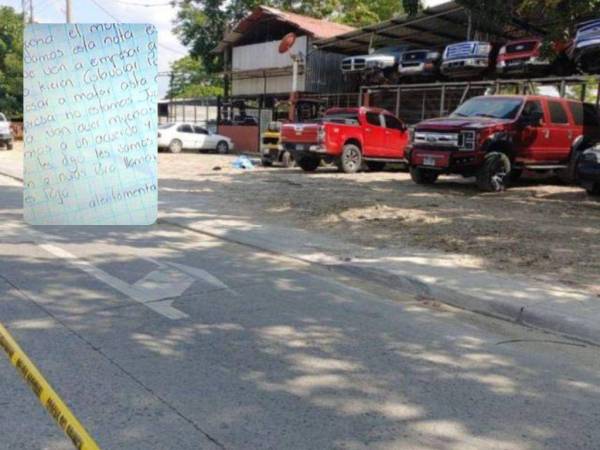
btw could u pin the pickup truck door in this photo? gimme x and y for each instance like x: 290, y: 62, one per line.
x: 562, y: 133
x: 396, y: 137
x: 374, y: 136
x: 533, y: 140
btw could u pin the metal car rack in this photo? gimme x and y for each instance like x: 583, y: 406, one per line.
x: 417, y: 102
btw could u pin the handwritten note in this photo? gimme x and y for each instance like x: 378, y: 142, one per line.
x: 90, y: 124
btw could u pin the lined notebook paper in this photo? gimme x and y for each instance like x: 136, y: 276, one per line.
x: 90, y: 122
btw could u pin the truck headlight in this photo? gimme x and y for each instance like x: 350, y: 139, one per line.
x: 484, y: 49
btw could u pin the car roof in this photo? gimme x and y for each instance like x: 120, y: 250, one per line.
x: 530, y: 97
x: 357, y: 110
x: 523, y: 40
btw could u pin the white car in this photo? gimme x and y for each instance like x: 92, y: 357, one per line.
x: 6, y: 137
x: 177, y: 136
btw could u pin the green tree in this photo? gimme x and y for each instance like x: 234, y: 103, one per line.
x: 558, y: 18
x: 190, y: 79
x: 11, y: 62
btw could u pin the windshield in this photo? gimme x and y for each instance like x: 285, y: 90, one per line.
x: 2, y: 118
x: 347, y: 118
x: 493, y: 107
x: 165, y: 126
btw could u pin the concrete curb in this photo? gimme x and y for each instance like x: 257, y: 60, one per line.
x: 513, y: 311
x: 535, y: 315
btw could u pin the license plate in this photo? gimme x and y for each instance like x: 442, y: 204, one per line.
x: 428, y: 161
x: 299, y: 147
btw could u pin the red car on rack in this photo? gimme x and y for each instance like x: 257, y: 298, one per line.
x: 349, y: 137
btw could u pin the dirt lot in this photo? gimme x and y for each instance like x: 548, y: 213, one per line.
x: 538, y: 227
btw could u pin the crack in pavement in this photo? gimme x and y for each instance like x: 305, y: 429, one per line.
x: 114, y: 363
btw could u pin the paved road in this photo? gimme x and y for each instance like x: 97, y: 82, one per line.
x: 254, y: 351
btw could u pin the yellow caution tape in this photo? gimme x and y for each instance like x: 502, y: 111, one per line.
x: 47, y: 396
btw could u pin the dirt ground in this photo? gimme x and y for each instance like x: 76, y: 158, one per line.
x: 538, y: 227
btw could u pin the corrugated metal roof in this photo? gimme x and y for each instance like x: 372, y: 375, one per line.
x: 317, y: 28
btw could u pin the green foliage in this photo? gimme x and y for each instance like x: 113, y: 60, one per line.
x: 558, y: 17
x: 190, y: 79
x: 11, y: 63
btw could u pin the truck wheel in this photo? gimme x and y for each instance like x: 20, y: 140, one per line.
x: 266, y: 162
x: 515, y: 175
x: 569, y: 174
x: 175, y: 146
x: 423, y: 176
x: 351, y: 159
x: 9, y: 145
x: 287, y: 160
x: 375, y: 166
x: 309, y: 164
x: 594, y: 189
x: 493, y: 175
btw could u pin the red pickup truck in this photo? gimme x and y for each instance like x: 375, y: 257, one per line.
x: 495, y: 138
x: 349, y: 137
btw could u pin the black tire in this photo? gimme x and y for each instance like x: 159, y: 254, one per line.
x: 309, y: 164
x: 493, y: 175
x: 9, y: 146
x: 176, y: 146
x: 375, y: 166
x: 423, y: 176
x: 266, y: 162
x: 222, y: 148
x: 594, y: 189
x: 515, y: 175
x: 287, y: 160
x: 351, y: 160
x: 569, y: 175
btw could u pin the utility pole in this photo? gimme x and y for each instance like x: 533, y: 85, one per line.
x: 27, y: 8
x: 68, y: 11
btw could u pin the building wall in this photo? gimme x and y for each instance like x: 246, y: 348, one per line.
x: 274, y: 85
x: 265, y: 55
x: 324, y: 74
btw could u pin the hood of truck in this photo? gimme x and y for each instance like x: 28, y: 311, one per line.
x: 4, y: 127
x: 460, y: 123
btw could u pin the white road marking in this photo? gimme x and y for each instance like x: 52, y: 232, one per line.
x: 157, y: 290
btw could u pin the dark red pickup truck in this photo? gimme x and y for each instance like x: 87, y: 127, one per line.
x: 349, y: 137
x: 495, y: 138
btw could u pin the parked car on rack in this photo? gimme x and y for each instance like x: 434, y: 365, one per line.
x: 588, y: 170
x: 6, y: 137
x: 468, y: 59
x: 523, y: 57
x: 420, y: 63
x: 349, y: 137
x: 495, y: 138
x: 585, y: 51
x: 378, y: 66
x: 178, y: 136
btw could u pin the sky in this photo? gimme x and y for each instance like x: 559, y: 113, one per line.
x: 158, y: 12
